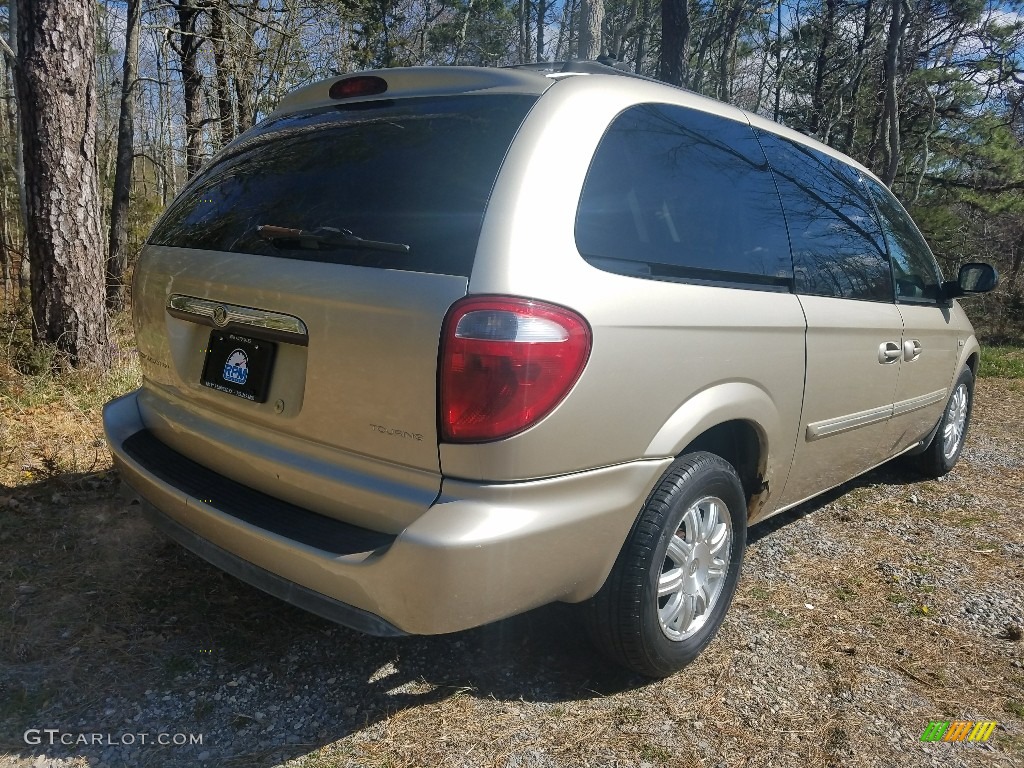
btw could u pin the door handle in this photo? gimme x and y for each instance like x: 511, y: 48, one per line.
x: 888, y: 352
x: 911, y: 349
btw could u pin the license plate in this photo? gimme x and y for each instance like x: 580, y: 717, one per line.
x: 239, y: 365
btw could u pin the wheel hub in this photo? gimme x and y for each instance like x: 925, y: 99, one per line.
x: 956, y: 424
x: 695, y: 568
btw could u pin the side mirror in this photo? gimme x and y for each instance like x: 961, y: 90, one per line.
x: 974, y: 277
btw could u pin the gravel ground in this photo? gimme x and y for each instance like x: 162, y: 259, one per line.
x: 860, y: 617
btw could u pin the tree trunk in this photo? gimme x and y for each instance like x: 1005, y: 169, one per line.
x: 562, y: 29
x: 821, y: 63
x: 617, y: 45
x: 221, y: 69
x: 862, y: 46
x: 6, y: 236
x: 573, y: 33
x: 591, y: 23
x: 24, y: 268
x: 245, y: 89
x: 57, y: 102
x: 165, y: 134
x: 925, y: 148
x: 542, y: 9
x: 187, y: 49
x: 732, y: 25
x: 891, y: 117
x: 422, y: 34
x: 1008, y: 289
x: 675, y: 42
x: 643, y: 33
x: 695, y: 74
x: 106, y: 125
x: 461, y: 39
x: 776, y: 110
x: 6, y: 251
x: 244, y: 100
x: 524, y: 44
x: 117, y: 256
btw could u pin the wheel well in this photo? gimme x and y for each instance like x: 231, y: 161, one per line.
x: 972, y: 363
x: 739, y: 443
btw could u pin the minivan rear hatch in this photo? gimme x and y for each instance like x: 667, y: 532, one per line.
x: 297, y: 287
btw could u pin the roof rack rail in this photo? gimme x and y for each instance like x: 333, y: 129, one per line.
x: 605, y: 65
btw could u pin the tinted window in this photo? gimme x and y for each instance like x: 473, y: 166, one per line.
x: 917, y: 276
x: 674, y: 192
x: 412, y: 171
x: 838, y: 247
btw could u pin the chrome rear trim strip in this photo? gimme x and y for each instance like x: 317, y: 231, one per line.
x: 272, y: 325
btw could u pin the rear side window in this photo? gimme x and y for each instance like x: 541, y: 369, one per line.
x: 675, y: 193
x: 415, y: 172
x: 918, y: 279
x: 838, y: 247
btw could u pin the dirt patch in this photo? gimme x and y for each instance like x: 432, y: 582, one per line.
x: 860, y: 617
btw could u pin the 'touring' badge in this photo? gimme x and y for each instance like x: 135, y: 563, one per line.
x: 236, y: 369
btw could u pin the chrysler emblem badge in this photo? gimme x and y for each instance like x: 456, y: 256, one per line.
x: 220, y: 316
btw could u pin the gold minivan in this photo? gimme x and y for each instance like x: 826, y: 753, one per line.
x: 430, y: 347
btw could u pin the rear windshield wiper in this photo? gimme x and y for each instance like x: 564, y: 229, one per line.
x: 326, y: 238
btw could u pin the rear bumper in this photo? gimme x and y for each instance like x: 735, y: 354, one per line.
x: 478, y: 554
x: 289, y: 591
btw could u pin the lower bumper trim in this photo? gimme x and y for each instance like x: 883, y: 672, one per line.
x: 248, y: 505
x: 283, y: 589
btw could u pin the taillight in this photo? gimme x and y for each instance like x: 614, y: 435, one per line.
x: 505, y: 364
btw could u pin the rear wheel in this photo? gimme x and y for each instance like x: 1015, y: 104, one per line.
x: 677, y: 572
x: 944, y: 450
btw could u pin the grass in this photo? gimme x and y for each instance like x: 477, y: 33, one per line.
x: 21, y: 701
x: 50, y: 423
x: 177, y: 665
x: 655, y: 753
x: 1002, y: 362
x: 845, y: 593
x: 780, y: 619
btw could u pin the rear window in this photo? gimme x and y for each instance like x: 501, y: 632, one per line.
x: 414, y: 172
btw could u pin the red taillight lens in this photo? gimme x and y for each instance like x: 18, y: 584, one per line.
x: 361, y: 85
x: 505, y: 364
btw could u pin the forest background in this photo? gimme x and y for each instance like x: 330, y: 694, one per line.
x: 109, y: 106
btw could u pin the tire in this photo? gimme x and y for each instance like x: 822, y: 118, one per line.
x: 627, y: 619
x: 947, y: 443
